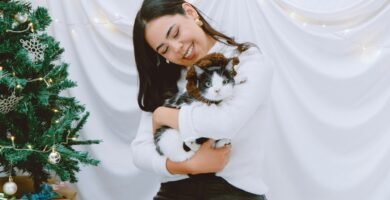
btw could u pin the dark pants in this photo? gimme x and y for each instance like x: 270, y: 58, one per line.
x: 203, y: 187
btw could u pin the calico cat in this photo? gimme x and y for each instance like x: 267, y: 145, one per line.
x: 210, y: 80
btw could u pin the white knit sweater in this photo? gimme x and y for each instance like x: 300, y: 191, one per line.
x: 239, y: 119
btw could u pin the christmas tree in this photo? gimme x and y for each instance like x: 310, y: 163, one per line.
x: 38, y: 125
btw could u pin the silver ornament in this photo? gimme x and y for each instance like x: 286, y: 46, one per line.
x: 34, y: 48
x: 54, y: 157
x: 21, y: 18
x: 8, y: 104
x: 10, y: 188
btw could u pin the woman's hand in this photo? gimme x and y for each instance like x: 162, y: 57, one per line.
x: 206, y: 160
x: 164, y: 116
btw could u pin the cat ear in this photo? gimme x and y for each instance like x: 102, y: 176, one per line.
x: 198, y: 70
x: 230, y: 65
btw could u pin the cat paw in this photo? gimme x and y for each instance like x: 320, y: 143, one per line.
x: 192, y: 145
x: 221, y: 143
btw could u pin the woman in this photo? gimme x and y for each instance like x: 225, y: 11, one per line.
x: 168, y: 36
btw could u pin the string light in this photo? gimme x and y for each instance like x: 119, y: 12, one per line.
x: 367, y: 53
x: 47, y: 82
x: 13, y: 141
x: 104, y: 21
x: 346, y: 31
x: 29, y: 27
x: 292, y: 15
x: 73, y: 32
x: 30, y: 147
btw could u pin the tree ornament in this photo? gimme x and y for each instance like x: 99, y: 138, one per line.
x: 8, y: 104
x: 14, y: 25
x: 34, y: 48
x: 10, y: 187
x: 9, y: 135
x: 21, y: 18
x: 54, y: 156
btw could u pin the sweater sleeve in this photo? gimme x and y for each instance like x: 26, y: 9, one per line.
x: 143, y: 150
x: 226, y: 119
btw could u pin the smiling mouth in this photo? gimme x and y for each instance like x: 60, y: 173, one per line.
x: 189, y: 54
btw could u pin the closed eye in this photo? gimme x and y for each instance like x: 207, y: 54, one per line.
x: 176, y: 34
x: 225, y: 82
x: 165, y: 50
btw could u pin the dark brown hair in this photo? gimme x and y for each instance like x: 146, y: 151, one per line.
x: 157, y: 78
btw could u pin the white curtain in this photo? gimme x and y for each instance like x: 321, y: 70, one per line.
x: 329, y: 126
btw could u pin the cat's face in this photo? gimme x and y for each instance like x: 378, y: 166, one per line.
x: 215, y: 83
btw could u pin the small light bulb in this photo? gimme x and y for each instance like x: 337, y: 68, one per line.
x: 292, y: 15
x: 18, y: 86
x: 55, y: 110
x: 57, y: 121
x: 29, y: 146
x: 13, y: 138
x: 74, y: 138
x: 40, y: 78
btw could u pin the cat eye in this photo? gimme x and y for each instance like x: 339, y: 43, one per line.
x: 207, y: 84
x: 225, y: 82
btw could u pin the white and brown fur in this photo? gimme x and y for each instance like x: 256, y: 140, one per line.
x: 211, y: 81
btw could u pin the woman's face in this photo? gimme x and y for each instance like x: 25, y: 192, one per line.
x: 178, y: 38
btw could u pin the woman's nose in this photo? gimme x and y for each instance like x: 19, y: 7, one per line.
x: 176, y: 46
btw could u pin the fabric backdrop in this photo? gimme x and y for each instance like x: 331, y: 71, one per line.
x: 328, y: 133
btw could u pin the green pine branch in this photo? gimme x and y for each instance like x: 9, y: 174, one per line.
x: 42, y: 121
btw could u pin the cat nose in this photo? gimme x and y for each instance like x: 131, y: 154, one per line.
x: 217, y: 90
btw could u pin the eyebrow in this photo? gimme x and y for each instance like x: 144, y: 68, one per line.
x: 166, y: 36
